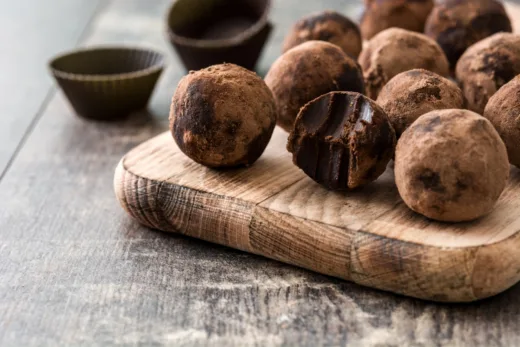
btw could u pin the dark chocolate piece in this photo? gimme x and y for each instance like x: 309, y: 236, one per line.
x: 342, y: 140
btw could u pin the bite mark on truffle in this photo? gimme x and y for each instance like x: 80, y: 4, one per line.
x: 342, y: 140
x: 308, y: 71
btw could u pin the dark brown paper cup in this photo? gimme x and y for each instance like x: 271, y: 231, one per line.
x: 209, y: 32
x: 108, y: 83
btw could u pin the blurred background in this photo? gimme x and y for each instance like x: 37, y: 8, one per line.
x: 33, y: 31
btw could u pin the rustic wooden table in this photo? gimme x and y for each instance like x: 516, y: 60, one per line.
x: 75, y: 270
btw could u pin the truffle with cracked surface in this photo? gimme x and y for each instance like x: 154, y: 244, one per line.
x: 342, y: 140
x: 451, y: 165
x: 486, y: 66
x: 457, y: 24
x: 222, y: 116
x: 329, y: 26
x: 413, y: 93
x: 307, y: 71
x: 503, y: 110
x: 397, y: 50
x: 380, y: 15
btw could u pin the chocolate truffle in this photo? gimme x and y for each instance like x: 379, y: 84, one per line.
x: 342, y: 140
x: 451, y: 165
x: 307, y: 71
x: 222, y: 116
x: 486, y: 66
x: 413, y: 93
x: 380, y: 15
x: 457, y: 24
x: 397, y: 50
x: 327, y: 26
x: 503, y: 110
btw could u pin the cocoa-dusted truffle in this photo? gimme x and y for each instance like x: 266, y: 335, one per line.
x: 222, y: 116
x: 451, y: 165
x: 327, y: 26
x: 383, y: 14
x: 503, y: 110
x: 396, y: 50
x: 486, y: 66
x: 413, y: 93
x: 342, y: 140
x: 457, y: 24
x: 307, y: 71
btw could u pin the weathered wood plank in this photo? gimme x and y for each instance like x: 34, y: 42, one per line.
x: 75, y: 270
x: 31, y: 32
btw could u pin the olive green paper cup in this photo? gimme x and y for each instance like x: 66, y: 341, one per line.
x: 108, y: 83
x: 209, y: 32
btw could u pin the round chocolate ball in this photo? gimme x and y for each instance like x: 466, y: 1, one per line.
x: 327, y: 26
x: 486, y: 66
x: 342, y: 140
x: 457, y: 24
x: 222, y: 116
x: 380, y: 15
x: 503, y: 110
x: 451, y: 165
x: 397, y: 50
x: 413, y: 93
x: 307, y: 71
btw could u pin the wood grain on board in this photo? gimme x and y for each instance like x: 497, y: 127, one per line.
x: 75, y: 270
x: 368, y: 236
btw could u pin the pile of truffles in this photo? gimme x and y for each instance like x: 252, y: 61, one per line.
x: 444, y: 104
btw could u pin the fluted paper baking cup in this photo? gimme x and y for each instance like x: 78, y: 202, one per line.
x: 209, y: 32
x: 108, y: 83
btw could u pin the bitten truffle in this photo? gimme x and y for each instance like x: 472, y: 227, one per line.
x: 486, y: 66
x: 380, y: 15
x: 327, y: 26
x: 222, y: 116
x: 307, y: 71
x: 451, y: 165
x: 342, y: 140
x: 503, y: 110
x: 413, y: 93
x: 397, y: 50
x: 457, y: 24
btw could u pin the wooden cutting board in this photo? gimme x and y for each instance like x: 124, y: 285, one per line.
x: 367, y: 236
